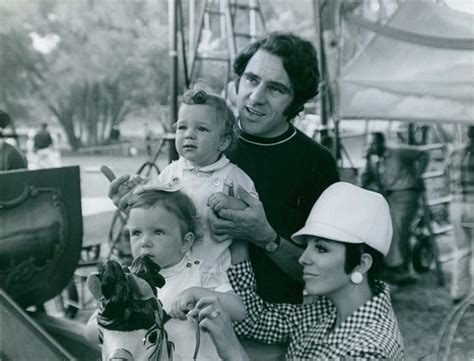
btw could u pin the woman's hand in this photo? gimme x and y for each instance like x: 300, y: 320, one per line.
x: 214, y: 320
x: 250, y: 223
x: 121, y: 188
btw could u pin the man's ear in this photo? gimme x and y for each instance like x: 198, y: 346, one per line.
x: 188, y: 241
x: 365, y: 263
x: 225, y: 142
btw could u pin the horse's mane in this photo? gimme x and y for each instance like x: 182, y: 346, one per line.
x: 119, y: 310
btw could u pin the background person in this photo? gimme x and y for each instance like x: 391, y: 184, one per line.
x: 346, y: 235
x: 10, y: 157
x: 396, y: 174
x: 42, y: 138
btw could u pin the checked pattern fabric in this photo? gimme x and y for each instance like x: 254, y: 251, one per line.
x: 371, y: 332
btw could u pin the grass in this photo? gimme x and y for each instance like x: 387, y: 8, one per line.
x: 420, y: 308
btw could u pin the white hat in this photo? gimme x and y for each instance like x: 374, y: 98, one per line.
x: 350, y: 214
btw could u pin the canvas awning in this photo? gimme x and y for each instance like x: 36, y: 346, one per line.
x: 419, y: 66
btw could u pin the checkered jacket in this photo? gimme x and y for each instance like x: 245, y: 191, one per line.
x: 371, y: 332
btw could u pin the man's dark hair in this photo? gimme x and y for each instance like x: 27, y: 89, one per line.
x: 300, y: 61
x: 354, y: 253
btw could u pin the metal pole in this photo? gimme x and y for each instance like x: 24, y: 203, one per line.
x: 322, y: 68
x: 173, y: 54
x: 192, y: 9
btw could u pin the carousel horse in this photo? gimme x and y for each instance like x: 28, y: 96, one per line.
x: 130, y: 318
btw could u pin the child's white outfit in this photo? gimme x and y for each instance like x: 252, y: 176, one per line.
x: 189, y: 272
x: 199, y: 184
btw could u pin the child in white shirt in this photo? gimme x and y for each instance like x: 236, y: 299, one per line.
x: 163, y: 224
x: 206, y: 127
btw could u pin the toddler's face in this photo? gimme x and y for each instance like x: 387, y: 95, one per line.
x: 156, y: 232
x: 199, y: 136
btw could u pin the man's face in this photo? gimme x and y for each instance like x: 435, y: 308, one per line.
x: 265, y: 92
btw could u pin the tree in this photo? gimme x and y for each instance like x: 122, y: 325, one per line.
x: 110, y: 59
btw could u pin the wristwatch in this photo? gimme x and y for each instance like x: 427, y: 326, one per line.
x: 273, y: 245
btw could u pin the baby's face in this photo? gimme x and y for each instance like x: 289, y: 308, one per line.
x: 156, y: 232
x: 199, y: 135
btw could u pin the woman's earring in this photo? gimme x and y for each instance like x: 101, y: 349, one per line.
x: 356, y: 277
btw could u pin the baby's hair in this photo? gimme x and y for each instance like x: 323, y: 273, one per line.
x: 200, y: 94
x: 176, y: 203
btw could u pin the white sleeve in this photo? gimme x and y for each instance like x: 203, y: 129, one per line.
x: 215, y: 278
x: 237, y: 177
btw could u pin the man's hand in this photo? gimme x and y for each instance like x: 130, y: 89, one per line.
x: 250, y: 223
x: 121, y: 188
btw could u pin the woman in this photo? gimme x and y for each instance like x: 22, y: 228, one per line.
x: 347, y: 233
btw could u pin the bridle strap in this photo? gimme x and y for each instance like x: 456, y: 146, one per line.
x: 198, y: 340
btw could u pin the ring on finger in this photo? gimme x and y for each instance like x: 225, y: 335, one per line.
x: 213, y: 314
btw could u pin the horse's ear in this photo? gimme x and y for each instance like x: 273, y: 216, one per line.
x: 141, y: 289
x: 95, y: 285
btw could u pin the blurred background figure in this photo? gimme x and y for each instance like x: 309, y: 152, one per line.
x: 10, y: 156
x: 461, y: 176
x: 148, y: 135
x: 42, y: 139
x: 114, y: 134
x: 396, y: 173
x: 42, y: 150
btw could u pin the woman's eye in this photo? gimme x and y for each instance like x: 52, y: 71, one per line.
x: 158, y: 232
x: 135, y: 233
x: 202, y: 129
x: 321, y: 249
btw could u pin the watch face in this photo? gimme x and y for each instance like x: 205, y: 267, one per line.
x: 271, y: 247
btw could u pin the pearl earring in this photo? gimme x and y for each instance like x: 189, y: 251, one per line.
x: 356, y: 277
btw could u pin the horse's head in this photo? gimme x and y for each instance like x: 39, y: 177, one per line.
x: 130, y: 317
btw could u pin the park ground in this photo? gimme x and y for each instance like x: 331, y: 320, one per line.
x: 420, y: 308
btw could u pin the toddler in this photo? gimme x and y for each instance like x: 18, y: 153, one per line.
x: 206, y: 127
x: 163, y: 224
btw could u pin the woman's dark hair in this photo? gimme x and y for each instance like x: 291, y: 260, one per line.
x: 354, y: 253
x: 300, y: 61
x: 176, y: 203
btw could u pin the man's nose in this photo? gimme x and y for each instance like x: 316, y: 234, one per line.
x: 258, y: 94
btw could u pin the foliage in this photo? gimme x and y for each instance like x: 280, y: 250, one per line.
x: 107, y: 62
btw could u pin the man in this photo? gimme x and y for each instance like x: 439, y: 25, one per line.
x: 276, y: 77
x: 10, y: 157
x: 396, y: 173
x: 461, y: 176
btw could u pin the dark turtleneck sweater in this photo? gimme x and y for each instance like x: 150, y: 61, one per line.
x: 290, y: 172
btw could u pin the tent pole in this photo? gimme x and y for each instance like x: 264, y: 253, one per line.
x: 173, y: 54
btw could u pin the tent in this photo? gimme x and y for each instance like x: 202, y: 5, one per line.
x: 418, y: 66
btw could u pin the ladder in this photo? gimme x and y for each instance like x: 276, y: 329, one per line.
x: 216, y: 43
x: 436, y: 200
